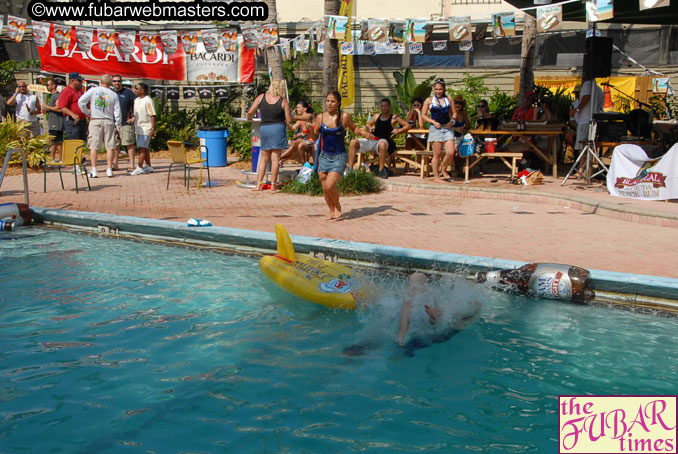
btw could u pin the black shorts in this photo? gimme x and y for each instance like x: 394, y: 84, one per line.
x: 57, y: 134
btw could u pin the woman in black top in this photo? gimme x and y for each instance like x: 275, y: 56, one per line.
x: 275, y: 116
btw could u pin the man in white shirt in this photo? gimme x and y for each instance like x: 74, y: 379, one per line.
x: 105, y: 122
x: 582, y: 112
x: 27, y: 106
x: 144, y: 127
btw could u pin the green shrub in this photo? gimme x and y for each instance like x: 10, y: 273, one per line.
x: 183, y: 124
x: 7, y: 70
x: 178, y: 125
x: 359, y: 182
x: 354, y: 183
x: 473, y: 89
x: 17, y: 135
x: 407, y: 89
x: 502, y: 105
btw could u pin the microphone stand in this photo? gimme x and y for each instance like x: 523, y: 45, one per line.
x: 640, y: 103
x: 589, y: 150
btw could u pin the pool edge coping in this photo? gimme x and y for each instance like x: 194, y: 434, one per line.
x: 609, y: 281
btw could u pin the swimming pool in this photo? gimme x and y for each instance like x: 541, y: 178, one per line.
x: 120, y: 346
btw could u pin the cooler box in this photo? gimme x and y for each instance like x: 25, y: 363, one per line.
x: 215, y: 139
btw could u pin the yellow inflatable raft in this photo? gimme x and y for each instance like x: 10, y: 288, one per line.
x: 309, y: 278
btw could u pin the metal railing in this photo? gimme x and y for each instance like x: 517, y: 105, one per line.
x: 4, y: 169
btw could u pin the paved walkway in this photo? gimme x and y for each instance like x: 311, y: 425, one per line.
x: 577, y: 224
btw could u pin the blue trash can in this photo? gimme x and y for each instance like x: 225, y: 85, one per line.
x: 215, y: 139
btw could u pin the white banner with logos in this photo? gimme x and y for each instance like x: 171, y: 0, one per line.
x: 218, y: 66
x: 634, y: 175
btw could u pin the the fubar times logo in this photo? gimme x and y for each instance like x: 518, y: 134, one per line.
x: 617, y: 424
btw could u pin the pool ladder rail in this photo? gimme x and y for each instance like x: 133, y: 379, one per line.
x: 6, y: 163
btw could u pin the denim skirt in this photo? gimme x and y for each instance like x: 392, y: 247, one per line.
x: 332, y: 162
x: 440, y: 135
x: 273, y: 136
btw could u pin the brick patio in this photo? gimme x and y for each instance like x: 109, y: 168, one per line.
x: 577, y: 224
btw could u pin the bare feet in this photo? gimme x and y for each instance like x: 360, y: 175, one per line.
x: 438, y: 180
x: 257, y: 187
x: 336, y: 216
x: 329, y: 216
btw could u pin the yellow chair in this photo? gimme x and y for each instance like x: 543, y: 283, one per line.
x: 180, y: 156
x: 71, y: 155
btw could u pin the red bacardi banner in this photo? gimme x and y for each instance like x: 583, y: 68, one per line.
x: 203, y: 66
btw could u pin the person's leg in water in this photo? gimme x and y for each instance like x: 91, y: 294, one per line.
x: 416, y: 284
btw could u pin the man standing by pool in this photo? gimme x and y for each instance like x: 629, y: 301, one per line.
x: 55, y: 120
x: 144, y: 127
x: 75, y: 123
x: 105, y: 120
x: 27, y: 106
x: 127, y: 98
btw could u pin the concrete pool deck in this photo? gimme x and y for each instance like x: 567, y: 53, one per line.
x: 577, y: 223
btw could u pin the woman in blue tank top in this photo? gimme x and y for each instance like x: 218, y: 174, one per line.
x: 330, y: 129
x: 437, y: 112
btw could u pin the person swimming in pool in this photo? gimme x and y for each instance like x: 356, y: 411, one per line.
x: 424, y: 319
x: 418, y: 293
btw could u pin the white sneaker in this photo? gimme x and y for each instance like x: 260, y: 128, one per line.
x: 137, y: 171
x: 93, y: 173
x: 82, y: 170
x: 149, y: 169
x: 109, y: 172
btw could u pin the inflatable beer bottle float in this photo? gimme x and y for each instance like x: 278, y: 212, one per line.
x: 543, y: 280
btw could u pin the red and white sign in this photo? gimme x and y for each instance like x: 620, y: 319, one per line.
x: 160, y: 66
x: 634, y: 175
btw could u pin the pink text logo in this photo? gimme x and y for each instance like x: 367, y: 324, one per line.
x: 617, y: 424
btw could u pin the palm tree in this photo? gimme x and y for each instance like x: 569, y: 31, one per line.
x: 527, y: 57
x: 273, y: 55
x: 331, y: 54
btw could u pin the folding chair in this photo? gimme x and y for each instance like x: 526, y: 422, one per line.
x: 180, y: 156
x: 71, y: 155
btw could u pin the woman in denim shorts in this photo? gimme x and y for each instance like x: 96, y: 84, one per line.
x: 275, y: 119
x: 330, y: 128
x: 440, y: 133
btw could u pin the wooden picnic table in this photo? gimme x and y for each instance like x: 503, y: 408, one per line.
x: 549, y: 156
x: 417, y: 158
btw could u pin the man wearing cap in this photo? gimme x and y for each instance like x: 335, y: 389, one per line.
x: 75, y: 123
x: 105, y: 121
x: 27, y: 106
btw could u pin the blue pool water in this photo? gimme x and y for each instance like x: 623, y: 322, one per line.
x: 114, y: 346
